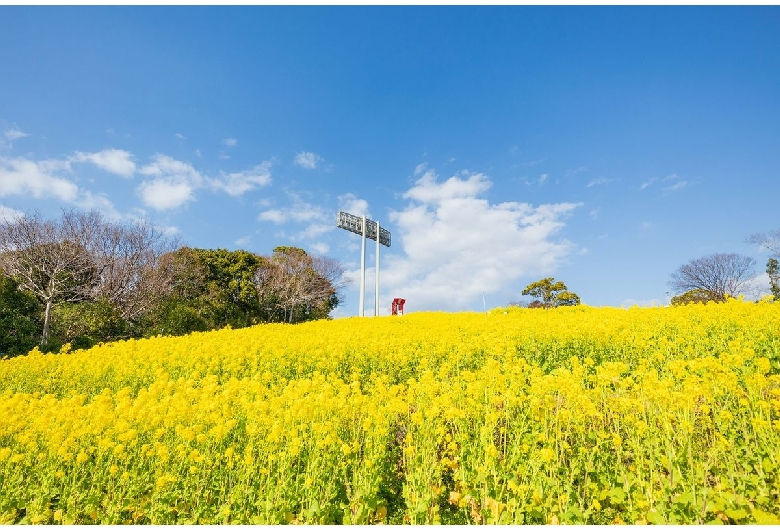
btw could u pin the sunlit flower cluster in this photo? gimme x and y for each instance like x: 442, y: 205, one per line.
x: 572, y: 415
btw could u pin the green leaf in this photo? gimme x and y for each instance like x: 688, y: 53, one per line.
x: 763, y: 517
x: 656, y: 518
x: 736, y: 514
x: 617, y: 496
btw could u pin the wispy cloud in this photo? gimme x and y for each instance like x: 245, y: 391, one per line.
x: 9, y: 136
x: 631, y: 302
x: 674, y: 183
x: 299, y: 211
x: 180, y: 136
x: 543, y: 178
x: 317, y: 220
x: 230, y: 142
x: 242, y: 242
x: 576, y: 171
x: 114, y: 161
x: 646, y: 184
x: 320, y: 248
x: 14, y: 134
x: 237, y: 184
x: 307, y: 160
x: 597, y: 182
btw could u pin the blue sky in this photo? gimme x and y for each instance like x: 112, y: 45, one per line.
x: 604, y: 146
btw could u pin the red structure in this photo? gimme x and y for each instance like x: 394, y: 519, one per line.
x: 398, y: 305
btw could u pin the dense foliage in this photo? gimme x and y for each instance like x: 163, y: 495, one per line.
x: 576, y: 415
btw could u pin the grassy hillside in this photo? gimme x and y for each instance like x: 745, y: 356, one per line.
x: 586, y: 415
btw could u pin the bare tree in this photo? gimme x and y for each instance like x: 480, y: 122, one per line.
x: 333, y: 272
x: 46, y: 261
x: 82, y: 256
x: 129, y: 259
x: 769, y: 240
x: 299, y: 285
x: 718, y: 274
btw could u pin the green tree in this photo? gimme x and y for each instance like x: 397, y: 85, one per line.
x: 87, y: 323
x: 695, y: 296
x: 208, y: 289
x: 773, y: 270
x: 20, y: 326
x: 550, y: 293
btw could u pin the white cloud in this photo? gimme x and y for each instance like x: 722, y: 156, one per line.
x: 14, y: 134
x: 758, y: 286
x: 543, y: 177
x: 307, y: 160
x: 350, y: 203
x: 90, y: 201
x: 648, y: 183
x: 230, y: 142
x: 299, y: 212
x: 165, y: 166
x: 594, y: 214
x: 9, y: 214
x: 20, y: 176
x: 165, y: 194
x: 6, y: 141
x: 174, y: 183
x: 314, y: 231
x: 575, y: 171
x: 597, y: 182
x: 275, y: 216
x: 457, y: 245
x: 237, y: 184
x: 320, y: 248
x: 114, y: 161
x: 420, y: 168
x: 630, y: 302
x: 242, y: 241
x: 676, y: 186
x: 180, y: 136
x: 49, y: 179
x: 428, y: 190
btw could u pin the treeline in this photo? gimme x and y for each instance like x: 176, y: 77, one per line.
x: 82, y: 279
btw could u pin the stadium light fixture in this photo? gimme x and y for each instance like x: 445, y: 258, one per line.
x: 365, y: 228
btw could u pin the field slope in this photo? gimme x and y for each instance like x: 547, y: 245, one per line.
x: 581, y: 415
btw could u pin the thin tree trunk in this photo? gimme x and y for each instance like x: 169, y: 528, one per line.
x: 46, y: 323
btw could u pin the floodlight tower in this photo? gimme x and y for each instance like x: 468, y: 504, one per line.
x: 365, y: 228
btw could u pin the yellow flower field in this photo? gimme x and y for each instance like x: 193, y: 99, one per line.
x: 572, y: 415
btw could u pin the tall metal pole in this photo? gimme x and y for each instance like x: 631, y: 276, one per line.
x: 363, y: 270
x: 376, y: 287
